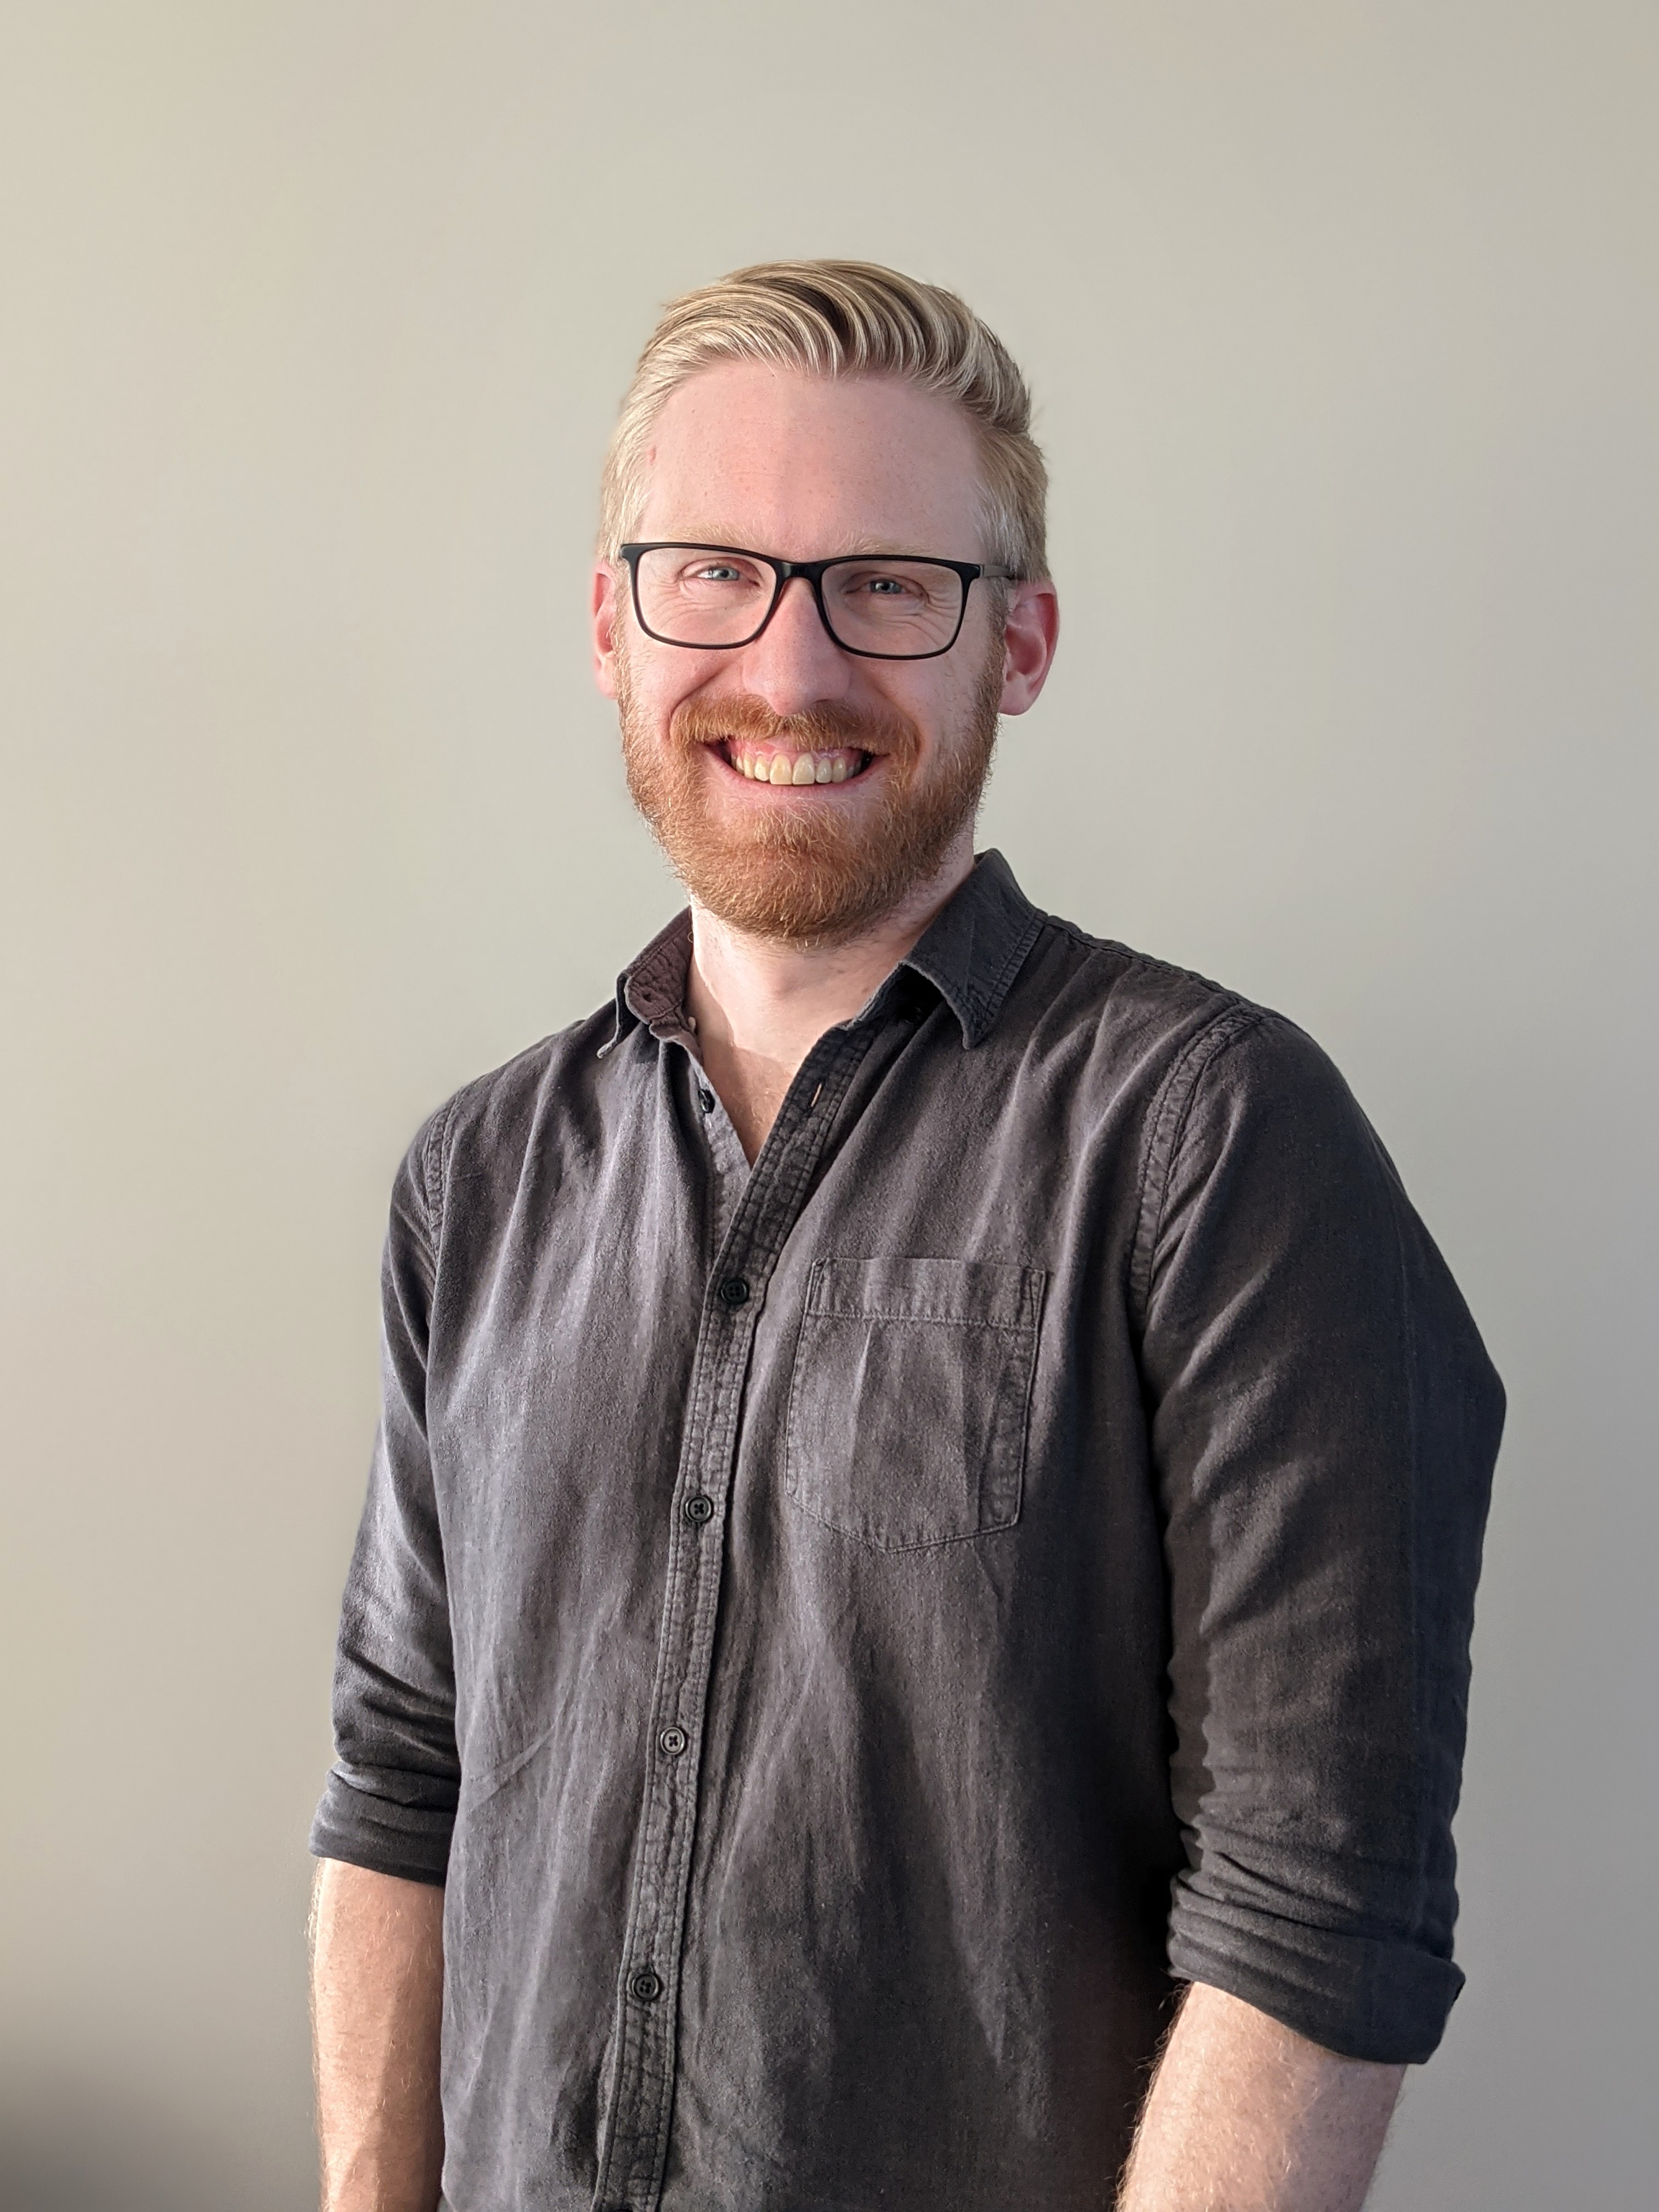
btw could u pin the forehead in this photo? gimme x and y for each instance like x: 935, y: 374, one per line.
x: 747, y: 454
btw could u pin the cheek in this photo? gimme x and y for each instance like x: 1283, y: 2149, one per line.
x: 652, y: 683
x: 939, y: 698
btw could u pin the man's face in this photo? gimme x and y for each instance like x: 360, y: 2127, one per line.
x: 778, y: 462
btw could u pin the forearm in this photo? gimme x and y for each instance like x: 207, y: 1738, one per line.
x: 1244, y: 2116
x: 377, y: 1998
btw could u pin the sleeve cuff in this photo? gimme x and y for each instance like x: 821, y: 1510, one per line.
x: 1361, y: 1996
x: 378, y: 1832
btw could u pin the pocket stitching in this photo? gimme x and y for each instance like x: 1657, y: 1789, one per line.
x: 910, y: 1543
x: 1034, y: 1287
x: 1029, y: 1297
x: 921, y: 1320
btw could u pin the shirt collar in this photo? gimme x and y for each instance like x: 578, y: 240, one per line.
x: 976, y: 946
x: 651, y: 988
x: 970, y: 953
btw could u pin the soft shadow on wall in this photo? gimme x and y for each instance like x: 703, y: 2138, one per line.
x: 76, y: 2149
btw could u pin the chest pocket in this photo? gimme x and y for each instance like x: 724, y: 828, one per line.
x: 907, y: 1404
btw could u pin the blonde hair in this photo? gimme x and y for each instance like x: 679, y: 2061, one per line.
x: 843, y: 318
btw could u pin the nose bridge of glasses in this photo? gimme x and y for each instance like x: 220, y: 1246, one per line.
x: 805, y: 578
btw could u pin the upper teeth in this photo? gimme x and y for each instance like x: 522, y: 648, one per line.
x: 794, y: 768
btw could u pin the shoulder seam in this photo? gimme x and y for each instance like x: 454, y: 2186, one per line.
x: 435, y: 1170
x: 1148, y: 963
x: 1166, y: 1126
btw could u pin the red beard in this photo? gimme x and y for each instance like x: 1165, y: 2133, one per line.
x: 810, y: 874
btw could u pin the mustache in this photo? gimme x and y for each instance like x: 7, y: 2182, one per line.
x: 826, y: 727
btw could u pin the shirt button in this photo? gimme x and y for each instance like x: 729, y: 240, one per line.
x: 699, y: 1506
x: 673, y: 1740
x: 706, y: 1100
x: 735, y: 1292
x: 645, y: 1986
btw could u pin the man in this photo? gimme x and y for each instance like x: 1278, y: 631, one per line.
x: 931, y: 1483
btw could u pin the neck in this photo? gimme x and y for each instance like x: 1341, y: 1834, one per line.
x: 761, y: 1005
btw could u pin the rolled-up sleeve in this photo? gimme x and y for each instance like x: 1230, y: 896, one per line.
x: 1324, y: 1424
x: 390, y: 1803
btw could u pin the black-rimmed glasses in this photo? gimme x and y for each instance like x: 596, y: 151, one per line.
x: 883, y: 606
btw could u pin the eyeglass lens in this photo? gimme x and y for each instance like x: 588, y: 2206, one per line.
x: 899, y: 608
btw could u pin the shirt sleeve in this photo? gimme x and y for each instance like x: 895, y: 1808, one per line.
x: 390, y: 1803
x: 1324, y: 1424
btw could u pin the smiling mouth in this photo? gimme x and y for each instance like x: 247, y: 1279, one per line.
x: 782, y: 766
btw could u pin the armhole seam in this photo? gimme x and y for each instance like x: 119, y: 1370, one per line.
x: 1167, y: 1123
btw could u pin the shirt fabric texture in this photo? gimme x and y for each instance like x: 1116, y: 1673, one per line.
x: 852, y: 1636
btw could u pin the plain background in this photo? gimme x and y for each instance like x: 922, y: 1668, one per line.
x: 1342, y: 324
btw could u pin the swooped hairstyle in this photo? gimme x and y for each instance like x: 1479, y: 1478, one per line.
x: 843, y: 318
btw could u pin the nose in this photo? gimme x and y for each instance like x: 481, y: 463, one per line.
x: 794, y: 663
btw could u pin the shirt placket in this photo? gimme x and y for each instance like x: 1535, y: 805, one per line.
x: 727, y: 1167
x: 634, y: 2128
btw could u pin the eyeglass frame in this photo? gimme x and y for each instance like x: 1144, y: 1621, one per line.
x: 967, y: 572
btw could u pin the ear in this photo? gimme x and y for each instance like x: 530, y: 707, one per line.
x: 606, y: 611
x: 1030, y: 635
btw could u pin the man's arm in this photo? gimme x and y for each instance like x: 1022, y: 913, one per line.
x: 1323, y: 1421
x: 377, y: 1975
x: 1245, y: 2115
x: 377, y: 1942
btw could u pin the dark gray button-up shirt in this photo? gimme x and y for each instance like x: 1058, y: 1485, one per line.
x: 851, y: 1633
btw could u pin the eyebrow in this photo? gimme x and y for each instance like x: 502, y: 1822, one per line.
x: 848, y: 549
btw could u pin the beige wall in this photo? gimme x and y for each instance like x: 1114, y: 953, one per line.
x: 1343, y: 323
